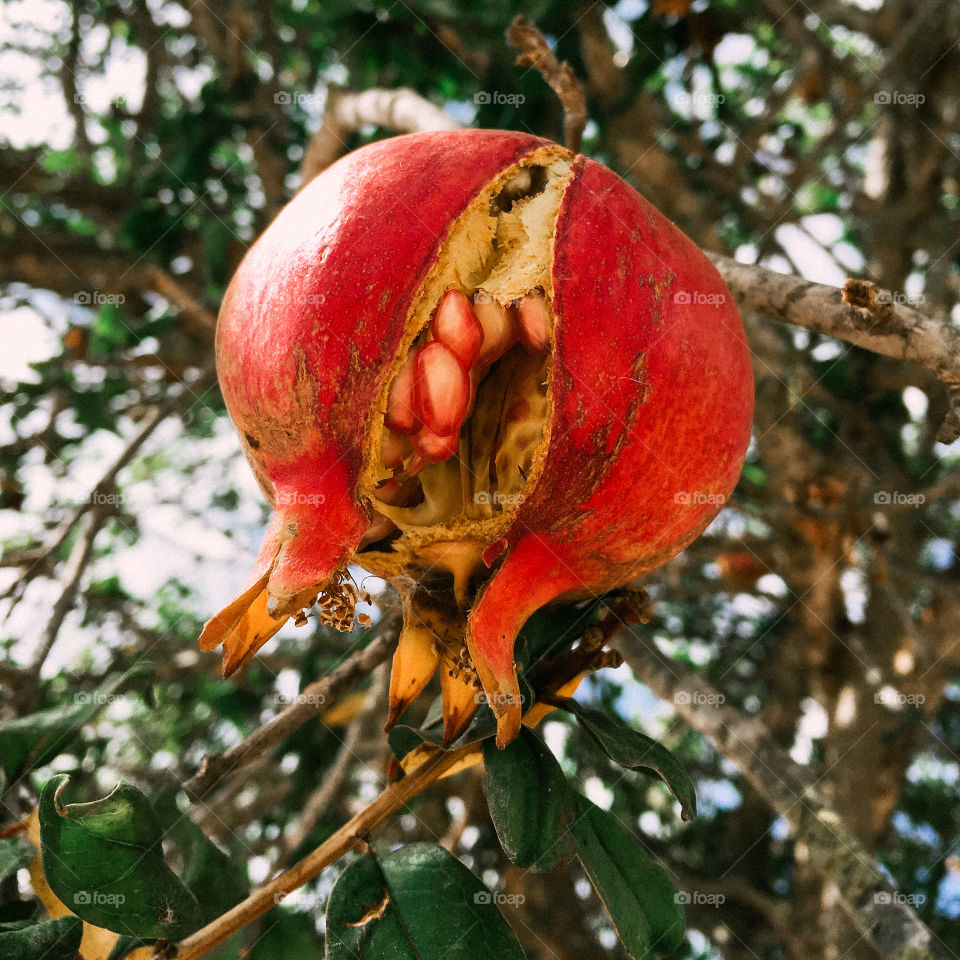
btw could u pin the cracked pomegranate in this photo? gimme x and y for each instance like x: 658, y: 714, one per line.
x: 487, y: 370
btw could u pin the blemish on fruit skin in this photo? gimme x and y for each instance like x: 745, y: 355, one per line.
x: 254, y: 444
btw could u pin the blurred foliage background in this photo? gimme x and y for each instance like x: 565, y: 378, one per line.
x: 146, y: 144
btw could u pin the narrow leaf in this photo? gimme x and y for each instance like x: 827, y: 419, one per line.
x: 635, y: 750
x: 635, y: 889
x: 530, y: 802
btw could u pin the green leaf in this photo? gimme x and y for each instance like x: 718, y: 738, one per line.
x: 416, y: 903
x: 15, y: 853
x: 531, y: 803
x: 104, y: 860
x: 50, y: 940
x: 636, y: 751
x: 208, y: 873
x: 38, y: 738
x: 637, y: 892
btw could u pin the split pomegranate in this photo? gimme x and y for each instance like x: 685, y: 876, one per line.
x: 487, y: 370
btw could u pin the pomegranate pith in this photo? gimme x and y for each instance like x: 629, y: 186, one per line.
x: 480, y: 367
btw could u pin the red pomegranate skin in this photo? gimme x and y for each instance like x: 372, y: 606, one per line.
x: 653, y: 402
x: 652, y: 392
x: 314, y: 316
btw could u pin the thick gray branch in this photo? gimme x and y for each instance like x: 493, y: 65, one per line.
x: 878, y: 911
x: 859, y: 313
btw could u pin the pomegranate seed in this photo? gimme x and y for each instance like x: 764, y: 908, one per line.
x: 442, y: 392
x: 432, y: 447
x: 534, y: 322
x: 456, y: 326
x: 499, y: 334
x: 401, y: 415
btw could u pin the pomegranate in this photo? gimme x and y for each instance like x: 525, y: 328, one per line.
x: 485, y: 369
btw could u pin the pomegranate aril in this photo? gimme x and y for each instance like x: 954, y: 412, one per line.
x: 401, y: 399
x: 434, y: 448
x: 456, y: 326
x: 499, y: 332
x: 442, y: 392
x: 533, y: 322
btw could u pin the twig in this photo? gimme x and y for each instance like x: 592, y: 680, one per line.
x: 79, y: 557
x: 186, y: 305
x: 395, y: 796
x: 402, y: 110
x: 320, y: 800
x: 534, y: 52
x: 309, y: 704
x: 887, y: 923
x: 861, y: 314
x: 101, y: 489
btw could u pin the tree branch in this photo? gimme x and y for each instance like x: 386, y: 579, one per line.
x: 311, y: 702
x: 534, y: 52
x: 402, y: 110
x: 395, y: 796
x: 103, y: 486
x: 888, y: 923
x: 861, y: 314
